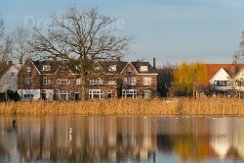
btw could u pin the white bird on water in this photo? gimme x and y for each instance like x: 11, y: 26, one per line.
x: 70, y: 131
x: 70, y: 134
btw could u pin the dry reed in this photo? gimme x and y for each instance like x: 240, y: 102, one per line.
x: 179, y: 106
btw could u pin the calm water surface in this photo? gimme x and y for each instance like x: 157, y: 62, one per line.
x: 117, y: 139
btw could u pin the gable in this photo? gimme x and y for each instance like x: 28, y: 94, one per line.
x: 8, y: 69
x: 143, y: 67
x: 29, y: 63
x: 220, y: 75
x: 3, y: 70
x: 129, y: 68
x: 13, y: 69
x: 240, y: 75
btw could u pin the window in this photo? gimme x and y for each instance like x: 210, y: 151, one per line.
x: 78, y: 81
x: 147, y: 94
x: 112, y: 68
x: 239, y: 83
x: 129, y: 93
x: 143, y: 68
x: 63, y: 81
x: 128, y: 69
x: 130, y: 81
x: 96, y: 81
x: 95, y: 94
x: 147, y: 80
x: 12, y: 74
x: 63, y: 94
x: 28, y: 69
x: 46, y: 67
x: 112, y: 81
x: 28, y: 80
x: 221, y: 83
x: 45, y: 81
x: 28, y: 96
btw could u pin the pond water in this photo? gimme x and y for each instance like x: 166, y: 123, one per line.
x: 133, y: 139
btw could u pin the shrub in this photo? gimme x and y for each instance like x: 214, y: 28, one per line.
x: 9, y: 95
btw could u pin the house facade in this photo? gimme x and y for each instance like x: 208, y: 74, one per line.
x: 8, y: 77
x: 50, y: 80
x: 220, y: 83
x: 57, y: 80
x: 222, y: 78
x: 238, y: 83
x: 138, y: 79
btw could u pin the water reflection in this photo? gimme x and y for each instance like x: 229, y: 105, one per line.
x: 121, y: 139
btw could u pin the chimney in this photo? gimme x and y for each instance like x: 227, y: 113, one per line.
x: 154, y: 63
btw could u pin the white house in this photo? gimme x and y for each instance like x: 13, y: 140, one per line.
x: 221, y: 82
x: 8, y: 77
x: 239, y: 83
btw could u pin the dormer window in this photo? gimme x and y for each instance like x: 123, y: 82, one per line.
x: 143, y: 68
x: 46, y: 68
x: 28, y: 69
x: 112, y: 68
x: 128, y: 69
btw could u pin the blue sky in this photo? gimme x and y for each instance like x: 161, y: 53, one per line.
x: 170, y: 30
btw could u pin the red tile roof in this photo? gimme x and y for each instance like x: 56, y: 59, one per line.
x: 231, y: 69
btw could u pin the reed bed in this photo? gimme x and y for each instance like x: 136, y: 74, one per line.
x: 178, y: 106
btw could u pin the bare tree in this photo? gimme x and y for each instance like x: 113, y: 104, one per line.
x: 1, y: 27
x: 21, y: 48
x: 83, y: 38
x: 238, y: 56
x: 5, y: 44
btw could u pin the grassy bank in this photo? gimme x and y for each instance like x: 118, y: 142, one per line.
x: 181, y: 106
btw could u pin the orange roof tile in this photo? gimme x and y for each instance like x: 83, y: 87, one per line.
x: 231, y: 69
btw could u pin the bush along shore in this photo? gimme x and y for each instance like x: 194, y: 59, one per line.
x: 178, y: 106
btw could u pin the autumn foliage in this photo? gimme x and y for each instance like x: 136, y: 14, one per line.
x: 190, y: 77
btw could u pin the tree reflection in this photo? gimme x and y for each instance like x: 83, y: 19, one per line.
x: 115, y: 139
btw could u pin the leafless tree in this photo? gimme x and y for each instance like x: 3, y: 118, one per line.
x: 5, y: 44
x: 1, y: 27
x: 238, y: 56
x: 21, y: 48
x: 84, y: 38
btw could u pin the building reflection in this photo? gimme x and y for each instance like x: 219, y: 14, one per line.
x: 116, y: 139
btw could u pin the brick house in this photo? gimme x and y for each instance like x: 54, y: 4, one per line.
x: 139, y: 79
x: 58, y: 80
x: 47, y: 80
